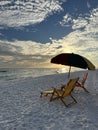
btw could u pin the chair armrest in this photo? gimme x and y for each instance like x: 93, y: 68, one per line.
x: 63, y: 86
x: 78, y: 84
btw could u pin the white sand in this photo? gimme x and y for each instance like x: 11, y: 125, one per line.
x: 21, y: 107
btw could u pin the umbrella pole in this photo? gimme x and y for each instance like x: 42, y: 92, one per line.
x: 69, y: 72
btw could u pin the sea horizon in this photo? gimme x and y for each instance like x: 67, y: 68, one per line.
x: 16, y: 73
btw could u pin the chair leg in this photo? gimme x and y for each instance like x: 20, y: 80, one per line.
x: 44, y: 94
x: 74, y: 101
x: 64, y: 102
x: 41, y: 94
x: 85, y: 89
x: 53, y: 97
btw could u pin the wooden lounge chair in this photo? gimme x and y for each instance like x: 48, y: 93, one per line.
x: 82, y: 82
x: 49, y: 92
x: 67, y: 92
x: 61, y: 94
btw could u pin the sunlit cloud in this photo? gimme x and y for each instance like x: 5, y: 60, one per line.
x: 79, y: 23
x: 67, y: 20
x: 33, y: 54
x: 22, y: 13
x: 82, y: 40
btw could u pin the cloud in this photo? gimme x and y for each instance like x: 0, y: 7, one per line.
x: 79, y: 23
x: 22, y: 13
x: 84, y: 38
x: 86, y: 21
x: 67, y: 20
x: 7, y: 49
x: 88, y: 5
x: 32, y: 54
x: 26, y: 54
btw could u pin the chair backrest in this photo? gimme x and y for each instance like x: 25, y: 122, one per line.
x: 84, y: 78
x: 70, y: 86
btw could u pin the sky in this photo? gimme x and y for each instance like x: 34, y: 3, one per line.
x: 34, y: 31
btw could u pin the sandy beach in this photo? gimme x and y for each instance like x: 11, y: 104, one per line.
x: 21, y: 107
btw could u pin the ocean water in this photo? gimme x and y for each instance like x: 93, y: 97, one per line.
x: 17, y: 73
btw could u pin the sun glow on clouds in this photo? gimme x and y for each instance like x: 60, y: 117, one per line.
x: 83, y: 40
x: 32, y: 54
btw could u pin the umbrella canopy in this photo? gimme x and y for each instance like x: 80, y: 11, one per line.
x: 71, y: 59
